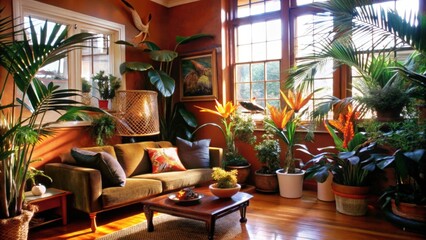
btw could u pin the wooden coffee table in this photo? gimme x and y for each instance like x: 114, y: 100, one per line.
x: 208, y: 210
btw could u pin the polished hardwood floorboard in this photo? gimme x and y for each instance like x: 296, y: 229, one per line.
x: 269, y: 217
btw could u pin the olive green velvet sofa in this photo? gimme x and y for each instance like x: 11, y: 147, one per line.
x: 86, y: 183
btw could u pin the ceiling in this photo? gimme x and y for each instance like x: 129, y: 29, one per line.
x: 173, y: 3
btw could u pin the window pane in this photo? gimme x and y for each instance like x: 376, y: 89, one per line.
x: 259, y: 90
x: 56, y: 72
x: 273, y: 90
x: 244, y: 34
x: 259, y: 51
x: 273, y: 71
x: 273, y: 5
x: 258, y: 72
x: 273, y: 29
x: 259, y: 32
x: 274, y: 50
x: 244, y: 53
x: 256, y: 7
x: 242, y: 73
x: 243, y: 92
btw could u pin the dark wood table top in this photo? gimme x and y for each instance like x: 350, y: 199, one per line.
x: 209, y: 204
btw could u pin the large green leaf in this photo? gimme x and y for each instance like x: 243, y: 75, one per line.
x: 134, y: 66
x: 162, y: 81
x: 188, y: 39
x: 163, y: 55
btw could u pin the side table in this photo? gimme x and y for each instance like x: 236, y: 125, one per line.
x: 53, y: 198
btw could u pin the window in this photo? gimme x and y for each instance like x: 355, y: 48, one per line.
x: 83, y: 63
x: 261, y: 57
x: 258, y: 52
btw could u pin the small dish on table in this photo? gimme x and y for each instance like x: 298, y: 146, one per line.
x: 186, y: 196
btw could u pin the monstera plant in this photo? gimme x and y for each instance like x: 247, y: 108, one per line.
x: 172, y: 117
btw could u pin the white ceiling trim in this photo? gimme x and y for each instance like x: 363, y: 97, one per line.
x: 173, y: 3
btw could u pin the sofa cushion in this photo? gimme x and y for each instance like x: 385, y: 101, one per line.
x: 176, y: 180
x: 111, y: 171
x: 68, y: 158
x: 194, y: 154
x: 165, y: 160
x: 134, y: 190
x: 133, y: 157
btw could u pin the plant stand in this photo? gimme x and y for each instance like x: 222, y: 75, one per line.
x: 291, y: 185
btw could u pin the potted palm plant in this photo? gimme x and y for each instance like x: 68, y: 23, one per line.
x: 268, y: 153
x: 20, y: 129
x: 107, y: 86
x: 284, y: 124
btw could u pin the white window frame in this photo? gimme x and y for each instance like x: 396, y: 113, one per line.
x: 80, y: 22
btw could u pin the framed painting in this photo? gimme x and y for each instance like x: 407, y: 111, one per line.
x: 198, y: 77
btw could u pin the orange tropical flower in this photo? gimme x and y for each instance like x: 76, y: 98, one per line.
x: 280, y: 118
x: 295, y: 100
x: 345, y: 124
x: 222, y: 111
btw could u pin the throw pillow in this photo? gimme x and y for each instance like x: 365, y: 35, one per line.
x: 165, y: 160
x: 194, y: 154
x: 111, y: 171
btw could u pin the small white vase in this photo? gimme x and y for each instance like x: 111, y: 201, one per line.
x: 325, y: 192
x: 291, y: 185
x: 38, y: 190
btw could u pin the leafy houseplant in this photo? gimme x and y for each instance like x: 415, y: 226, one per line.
x: 268, y: 152
x: 103, y: 128
x: 160, y: 76
x: 20, y: 129
x: 37, y: 189
x: 107, y: 85
x: 85, y: 89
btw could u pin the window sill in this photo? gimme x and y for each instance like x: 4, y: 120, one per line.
x: 71, y: 124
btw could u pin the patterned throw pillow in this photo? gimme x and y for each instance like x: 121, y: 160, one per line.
x: 165, y: 160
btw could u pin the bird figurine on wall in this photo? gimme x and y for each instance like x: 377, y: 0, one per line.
x: 137, y: 21
x: 252, y: 106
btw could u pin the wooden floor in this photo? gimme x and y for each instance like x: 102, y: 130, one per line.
x: 269, y: 217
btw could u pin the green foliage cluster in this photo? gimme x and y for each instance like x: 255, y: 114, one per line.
x: 85, y: 85
x: 103, y: 128
x: 107, y: 84
x: 268, y: 152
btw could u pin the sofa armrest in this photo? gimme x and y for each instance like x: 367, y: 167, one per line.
x: 216, y: 156
x: 84, y: 183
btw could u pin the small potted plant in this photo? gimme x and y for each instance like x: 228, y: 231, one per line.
x: 103, y: 128
x: 107, y: 86
x: 268, y: 153
x: 226, y: 183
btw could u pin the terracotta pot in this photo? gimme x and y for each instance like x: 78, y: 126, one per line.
x: 409, y: 211
x: 291, y: 185
x: 324, y: 190
x: 224, y: 192
x: 351, y: 200
x: 267, y: 183
x: 16, y: 227
x: 243, y: 173
x: 103, y: 104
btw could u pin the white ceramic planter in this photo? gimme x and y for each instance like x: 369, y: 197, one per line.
x: 291, y: 185
x: 38, y: 190
x: 324, y: 190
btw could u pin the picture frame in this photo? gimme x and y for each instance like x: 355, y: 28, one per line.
x: 198, y: 76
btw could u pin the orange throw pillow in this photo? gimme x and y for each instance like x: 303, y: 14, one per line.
x: 165, y: 160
